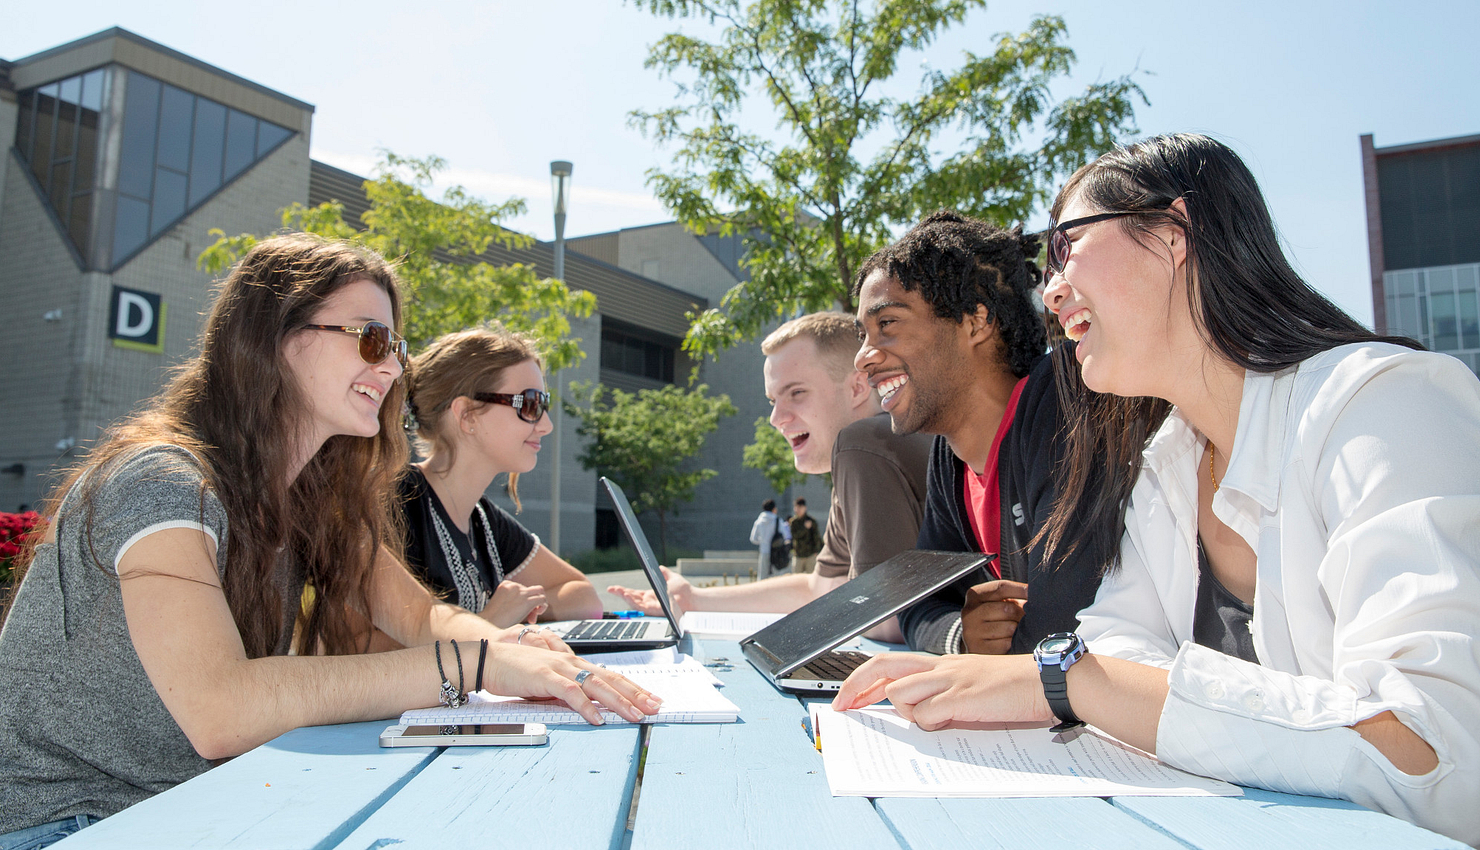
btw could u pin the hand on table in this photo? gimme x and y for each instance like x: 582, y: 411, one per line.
x: 525, y: 671
x: 990, y: 616
x: 533, y: 636
x: 514, y: 603
x: 935, y: 691
x: 680, y: 595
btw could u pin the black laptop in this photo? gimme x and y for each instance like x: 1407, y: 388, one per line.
x: 794, y: 652
x: 624, y: 635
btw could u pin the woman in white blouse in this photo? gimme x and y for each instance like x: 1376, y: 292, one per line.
x: 1297, y: 499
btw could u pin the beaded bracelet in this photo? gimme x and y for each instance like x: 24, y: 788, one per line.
x: 450, y: 696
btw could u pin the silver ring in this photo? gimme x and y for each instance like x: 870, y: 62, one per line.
x: 582, y: 676
x: 522, y: 632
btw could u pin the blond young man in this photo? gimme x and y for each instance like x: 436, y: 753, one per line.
x: 832, y: 420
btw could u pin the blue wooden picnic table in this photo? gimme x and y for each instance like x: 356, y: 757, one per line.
x: 755, y: 783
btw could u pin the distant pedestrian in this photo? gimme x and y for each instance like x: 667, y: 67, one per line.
x: 806, y: 538
x: 773, y: 536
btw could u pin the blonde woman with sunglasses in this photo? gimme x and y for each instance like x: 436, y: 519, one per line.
x: 161, y: 623
x: 479, y: 401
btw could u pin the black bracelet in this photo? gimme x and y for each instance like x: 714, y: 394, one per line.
x: 482, y: 656
x: 450, y: 696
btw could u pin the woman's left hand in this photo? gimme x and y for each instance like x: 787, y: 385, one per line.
x: 935, y: 691
x: 532, y: 674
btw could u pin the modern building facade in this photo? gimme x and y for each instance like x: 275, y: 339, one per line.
x: 123, y: 154
x: 1423, y: 237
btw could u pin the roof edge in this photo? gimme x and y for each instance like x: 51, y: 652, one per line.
x: 1432, y: 145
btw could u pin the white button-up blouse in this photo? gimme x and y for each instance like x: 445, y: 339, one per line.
x: 1355, y: 478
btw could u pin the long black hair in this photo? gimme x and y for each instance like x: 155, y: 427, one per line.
x: 1246, y: 301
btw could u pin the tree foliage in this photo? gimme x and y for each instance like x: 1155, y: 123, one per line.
x: 436, y: 244
x: 849, y: 164
x: 771, y: 454
x: 643, y: 441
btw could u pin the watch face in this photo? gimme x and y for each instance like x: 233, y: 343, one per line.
x: 1055, y: 645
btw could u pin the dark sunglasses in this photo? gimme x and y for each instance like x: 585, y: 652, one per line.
x: 377, y: 342
x: 529, y: 405
x: 1059, y: 245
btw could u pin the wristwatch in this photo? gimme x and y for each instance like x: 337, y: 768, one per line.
x: 1055, y: 654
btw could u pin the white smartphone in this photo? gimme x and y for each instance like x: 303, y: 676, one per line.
x: 466, y: 735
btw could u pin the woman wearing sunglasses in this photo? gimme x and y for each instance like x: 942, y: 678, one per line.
x: 1297, y: 589
x: 163, y: 621
x: 479, y: 401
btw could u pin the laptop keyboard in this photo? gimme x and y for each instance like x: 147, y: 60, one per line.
x: 834, y: 666
x: 607, y: 630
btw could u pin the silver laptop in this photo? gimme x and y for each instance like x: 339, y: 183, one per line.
x: 622, y: 635
x: 794, y: 652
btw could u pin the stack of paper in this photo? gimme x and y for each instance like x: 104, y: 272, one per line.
x: 874, y: 752
x: 687, y: 689
x: 725, y: 624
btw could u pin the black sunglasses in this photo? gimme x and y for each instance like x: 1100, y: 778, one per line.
x: 377, y: 341
x: 1059, y: 245
x: 529, y: 405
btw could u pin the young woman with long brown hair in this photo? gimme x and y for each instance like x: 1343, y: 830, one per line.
x: 1297, y: 501
x: 152, y: 632
x: 478, y: 398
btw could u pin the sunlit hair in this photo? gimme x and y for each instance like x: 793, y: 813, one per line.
x: 834, y: 333
x: 238, y: 409
x: 1246, y: 301
x: 461, y: 364
x: 957, y: 264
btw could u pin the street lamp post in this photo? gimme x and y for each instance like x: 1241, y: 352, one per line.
x: 560, y: 171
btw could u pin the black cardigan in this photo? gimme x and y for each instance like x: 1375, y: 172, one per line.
x: 1032, y: 447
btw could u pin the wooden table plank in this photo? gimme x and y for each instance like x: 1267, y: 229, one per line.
x: 306, y: 789
x: 574, y: 792
x: 755, y: 783
x: 1270, y: 819
x: 1028, y: 823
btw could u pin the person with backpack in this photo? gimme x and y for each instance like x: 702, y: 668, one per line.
x: 773, y: 536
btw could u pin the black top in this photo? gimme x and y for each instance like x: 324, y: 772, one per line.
x: 1031, y: 448
x: 1220, y: 620
x: 498, y: 548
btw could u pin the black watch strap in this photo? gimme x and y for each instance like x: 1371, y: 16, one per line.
x: 1056, y: 688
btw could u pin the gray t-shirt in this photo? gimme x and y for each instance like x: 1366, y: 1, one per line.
x: 82, y: 730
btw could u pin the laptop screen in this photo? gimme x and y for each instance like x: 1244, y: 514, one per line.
x: 644, y: 549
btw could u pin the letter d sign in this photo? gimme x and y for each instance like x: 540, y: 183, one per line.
x: 136, y: 320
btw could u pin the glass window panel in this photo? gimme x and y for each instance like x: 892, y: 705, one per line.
x: 87, y: 149
x: 1407, y: 316
x: 77, y: 222
x: 66, y: 130
x: 1425, y: 334
x: 1469, y: 320
x: 46, y: 110
x: 130, y: 227
x: 70, y: 90
x: 25, y: 123
x: 169, y: 199
x: 61, y: 187
x: 140, y: 120
x: 241, y: 139
x: 1446, y: 329
x: 176, y: 115
x: 207, y: 149
x: 1464, y: 278
x: 92, y: 90
x: 270, y: 136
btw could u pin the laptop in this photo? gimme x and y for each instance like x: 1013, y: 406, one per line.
x: 794, y: 652
x: 625, y: 635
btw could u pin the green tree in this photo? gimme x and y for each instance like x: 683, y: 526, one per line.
x: 437, y: 244
x: 771, y: 454
x: 643, y: 440
x: 812, y: 199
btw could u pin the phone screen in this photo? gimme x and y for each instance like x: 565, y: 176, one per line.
x: 463, y: 729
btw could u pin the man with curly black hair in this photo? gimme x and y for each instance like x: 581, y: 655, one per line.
x: 954, y: 340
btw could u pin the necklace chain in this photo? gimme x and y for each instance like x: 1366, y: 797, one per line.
x: 1212, y: 453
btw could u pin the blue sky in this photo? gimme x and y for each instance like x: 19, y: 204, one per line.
x: 500, y: 88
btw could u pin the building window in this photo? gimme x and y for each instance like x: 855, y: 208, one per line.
x: 633, y: 354
x: 173, y: 150
x: 1439, y: 307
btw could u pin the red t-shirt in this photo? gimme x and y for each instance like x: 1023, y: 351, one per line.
x: 983, y: 496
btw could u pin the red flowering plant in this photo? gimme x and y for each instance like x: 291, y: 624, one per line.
x: 14, y: 531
